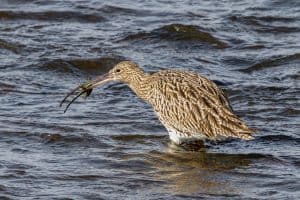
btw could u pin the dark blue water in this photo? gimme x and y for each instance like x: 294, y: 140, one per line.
x: 111, y: 145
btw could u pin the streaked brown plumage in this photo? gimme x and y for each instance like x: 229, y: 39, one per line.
x: 189, y: 105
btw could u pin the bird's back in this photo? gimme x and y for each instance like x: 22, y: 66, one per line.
x: 192, y: 105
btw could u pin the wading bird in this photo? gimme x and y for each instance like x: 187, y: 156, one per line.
x: 189, y: 105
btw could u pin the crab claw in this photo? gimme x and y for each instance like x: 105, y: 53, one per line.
x: 85, y: 88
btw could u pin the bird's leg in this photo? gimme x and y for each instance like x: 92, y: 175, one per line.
x: 197, y: 145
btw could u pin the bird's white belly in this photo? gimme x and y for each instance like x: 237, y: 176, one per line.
x: 178, y: 137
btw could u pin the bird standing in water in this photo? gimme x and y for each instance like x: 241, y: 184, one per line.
x: 189, y: 105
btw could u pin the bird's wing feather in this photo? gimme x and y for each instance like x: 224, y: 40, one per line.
x: 193, y: 104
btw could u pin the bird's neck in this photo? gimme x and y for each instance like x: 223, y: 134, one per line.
x: 140, y: 85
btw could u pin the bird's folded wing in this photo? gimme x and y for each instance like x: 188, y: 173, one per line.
x: 195, y: 105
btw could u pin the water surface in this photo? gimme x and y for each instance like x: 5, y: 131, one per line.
x: 111, y: 145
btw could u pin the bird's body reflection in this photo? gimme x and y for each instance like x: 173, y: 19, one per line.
x: 192, y: 169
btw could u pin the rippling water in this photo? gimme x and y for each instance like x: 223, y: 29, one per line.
x: 111, y: 145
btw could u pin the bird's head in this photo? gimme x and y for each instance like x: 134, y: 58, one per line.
x: 125, y: 71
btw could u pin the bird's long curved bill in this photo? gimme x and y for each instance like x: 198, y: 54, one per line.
x: 85, y: 88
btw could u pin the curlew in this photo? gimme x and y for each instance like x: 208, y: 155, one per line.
x: 189, y: 105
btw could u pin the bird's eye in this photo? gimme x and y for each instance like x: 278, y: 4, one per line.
x: 118, y: 70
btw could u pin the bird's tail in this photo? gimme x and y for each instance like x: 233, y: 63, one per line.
x: 245, y: 135
x: 238, y: 128
x: 244, y: 132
